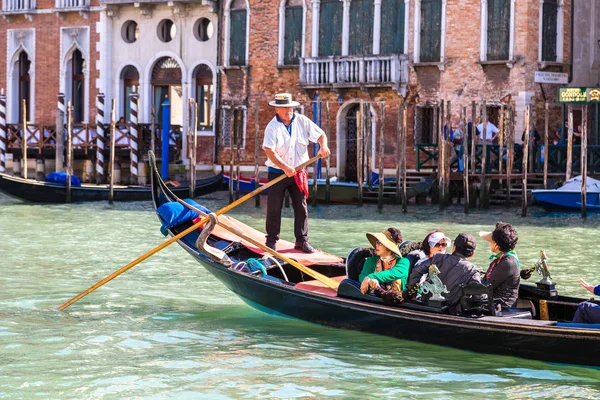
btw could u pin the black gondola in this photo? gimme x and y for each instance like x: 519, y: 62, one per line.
x: 280, y: 288
x: 47, y: 192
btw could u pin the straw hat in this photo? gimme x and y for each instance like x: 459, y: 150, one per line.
x: 385, y: 238
x: 283, y: 100
x: 486, y: 236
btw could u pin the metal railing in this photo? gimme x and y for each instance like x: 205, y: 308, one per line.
x: 72, y: 3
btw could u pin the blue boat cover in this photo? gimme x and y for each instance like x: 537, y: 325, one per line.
x: 174, y: 213
x: 61, y: 179
x: 575, y: 325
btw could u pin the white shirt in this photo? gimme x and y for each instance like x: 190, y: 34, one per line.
x: 490, y: 130
x: 291, y: 148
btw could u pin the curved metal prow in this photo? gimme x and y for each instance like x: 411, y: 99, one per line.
x: 201, y: 245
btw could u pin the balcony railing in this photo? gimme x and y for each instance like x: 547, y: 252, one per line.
x: 354, y: 71
x: 18, y: 5
x: 66, y: 4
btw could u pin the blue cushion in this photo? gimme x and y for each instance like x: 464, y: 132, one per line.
x: 61, y: 179
x: 575, y: 325
x: 198, y: 206
x: 174, y: 213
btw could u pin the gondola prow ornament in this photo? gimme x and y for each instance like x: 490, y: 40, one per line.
x: 541, y: 267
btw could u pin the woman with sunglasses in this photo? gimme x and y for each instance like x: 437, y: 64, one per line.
x: 387, y: 269
x: 436, y: 242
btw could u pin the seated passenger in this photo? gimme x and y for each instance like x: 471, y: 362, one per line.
x: 588, y: 312
x: 387, y: 269
x: 436, y: 242
x: 503, y: 273
x: 455, y: 270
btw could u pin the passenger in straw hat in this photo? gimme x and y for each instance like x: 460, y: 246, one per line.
x: 286, y: 143
x: 503, y: 273
x: 387, y: 269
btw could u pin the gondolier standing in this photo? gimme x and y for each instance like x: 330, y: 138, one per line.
x: 286, y: 145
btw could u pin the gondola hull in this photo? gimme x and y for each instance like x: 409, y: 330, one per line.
x: 46, y: 192
x: 527, y: 338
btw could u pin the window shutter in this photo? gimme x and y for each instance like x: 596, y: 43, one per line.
x: 237, y: 38
x: 431, y: 30
x: 330, y: 28
x: 498, y: 32
x: 392, y: 27
x: 293, y: 36
x: 361, y: 27
x: 549, y: 28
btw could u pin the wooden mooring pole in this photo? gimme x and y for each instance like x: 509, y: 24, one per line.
x: 256, y: 152
x: 238, y: 144
x: 368, y: 147
x: 584, y: 136
x: 473, y: 135
x: 441, y: 154
x: 483, y: 201
x: 403, y: 148
x: 501, y: 141
x: 399, y: 154
x: 448, y: 147
x: 231, y: 144
x: 327, y: 160
x: 525, y: 161
x: 359, y: 151
x: 510, y: 153
x: 318, y: 118
x: 546, y: 118
x: 570, y: 145
x: 69, y: 149
x: 381, y: 157
x: 465, y: 158
x: 111, y: 163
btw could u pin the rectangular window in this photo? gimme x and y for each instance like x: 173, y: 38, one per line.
x: 498, y: 30
x: 237, y: 38
x: 424, y: 126
x: 431, y: 30
x: 330, y: 28
x: 392, y: 27
x: 361, y: 27
x: 24, y: 86
x: 293, y: 35
x: 204, y: 99
x: 549, y: 27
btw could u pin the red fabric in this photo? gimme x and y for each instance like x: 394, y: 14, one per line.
x: 301, y: 179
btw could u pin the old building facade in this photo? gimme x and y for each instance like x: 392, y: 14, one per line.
x: 233, y: 56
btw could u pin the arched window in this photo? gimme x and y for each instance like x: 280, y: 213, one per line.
x: 291, y: 27
x: 131, y: 83
x: 204, y: 96
x: 78, y: 86
x: 361, y: 27
x: 24, y: 85
x: 238, y: 17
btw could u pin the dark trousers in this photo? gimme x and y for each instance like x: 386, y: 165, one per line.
x: 275, y: 204
x: 587, y: 313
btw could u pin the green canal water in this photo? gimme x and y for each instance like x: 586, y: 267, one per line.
x: 168, y: 330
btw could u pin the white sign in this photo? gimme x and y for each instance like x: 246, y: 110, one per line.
x: 558, y: 78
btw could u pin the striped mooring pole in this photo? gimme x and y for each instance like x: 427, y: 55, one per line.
x: 2, y: 132
x: 133, y: 142
x: 100, y: 138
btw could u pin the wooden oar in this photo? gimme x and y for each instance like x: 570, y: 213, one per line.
x: 179, y: 236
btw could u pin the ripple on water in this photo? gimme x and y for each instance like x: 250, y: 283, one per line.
x: 169, y: 329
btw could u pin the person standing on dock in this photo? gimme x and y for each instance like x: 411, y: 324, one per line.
x: 286, y: 145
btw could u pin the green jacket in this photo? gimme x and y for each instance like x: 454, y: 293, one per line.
x: 398, y: 271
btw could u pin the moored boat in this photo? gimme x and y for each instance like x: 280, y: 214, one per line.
x: 568, y: 196
x: 48, y: 192
x: 540, y: 330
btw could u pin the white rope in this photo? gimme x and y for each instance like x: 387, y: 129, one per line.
x: 268, y: 256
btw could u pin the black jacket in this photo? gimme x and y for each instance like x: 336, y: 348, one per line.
x: 455, y: 270
x: 505, y: 279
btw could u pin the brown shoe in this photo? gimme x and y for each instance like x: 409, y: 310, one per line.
x: 305, y: 247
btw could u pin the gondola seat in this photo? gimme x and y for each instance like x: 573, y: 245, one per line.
x: 576, y: 325
x: 350, y: 289
x: 355, y: 261
x: 316, y: 286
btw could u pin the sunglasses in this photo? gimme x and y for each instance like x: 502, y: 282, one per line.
x: 378, y: 243
x: 441, y: 244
